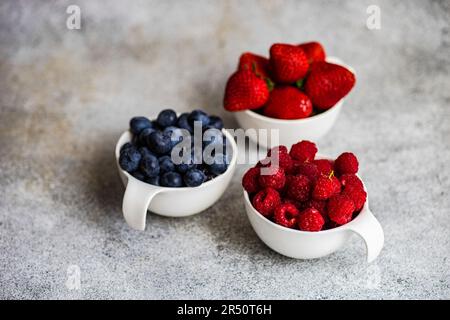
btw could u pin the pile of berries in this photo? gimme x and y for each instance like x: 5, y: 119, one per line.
x: 294, y: 83
x: 148, y: 157
x: 297, y: 191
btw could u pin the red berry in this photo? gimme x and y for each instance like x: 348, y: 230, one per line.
x: 346, y: 163
x: 340, y: 209
x: 326, y: 187
x: 328, y: 83
x: 265, y: 201
x: 324, y: 166
x: 319, y: 205
x: 286, y: 215
x: 298, y: 187
x: 313, y: 51
x: 310, y: 220
x: 284, y: 159
x: 303, y: 151
x: 244, y: 90
x: 351, y: 180
x: 288, y: 103
x: 308, y: 169
x: 357, y: 195
x: 288, y: 63
x: 272, y: 177
x: 250, y: 180
x: 258, y: 64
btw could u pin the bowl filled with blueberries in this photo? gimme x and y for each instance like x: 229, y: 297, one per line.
x: 174, y: 165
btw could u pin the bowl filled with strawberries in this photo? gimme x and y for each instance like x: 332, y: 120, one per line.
x: 297, y: 92
x: 307, y: 206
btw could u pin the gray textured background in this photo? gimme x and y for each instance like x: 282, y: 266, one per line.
x: 66, y: 95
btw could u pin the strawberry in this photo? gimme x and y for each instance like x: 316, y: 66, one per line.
x: 288, y: 63
x: 313, y: 51
x: 288, y: 103
x: 327, y: 83
x: 258, y: 64
x: 244, y: 90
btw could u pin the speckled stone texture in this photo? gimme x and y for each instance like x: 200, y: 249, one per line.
x: 66, y: 95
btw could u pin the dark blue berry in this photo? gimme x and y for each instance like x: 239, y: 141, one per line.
x: 194, y: 178
x: 220, y: 164
x: 171, y: 179
x: 198, y: 115
x: 183, y: 122
x: 152, y: 180
x: 167, y: 118
x: 187, y: 164
x: 150, y: 166
x: 137, y: 124
x: 129, y: 159
x: 159, y: 143
x: 143, y: 136
x: 216, y: 122
x: 125, y: 147
x: 145, y: 152
x: 212, y: 135
x: 138, y: 175
x: 166, y: 164
x: 176, y: 134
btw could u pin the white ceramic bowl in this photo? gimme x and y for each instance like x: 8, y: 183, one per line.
x: 170, y: 202
x: 291, y: 131
x: 309, y: 245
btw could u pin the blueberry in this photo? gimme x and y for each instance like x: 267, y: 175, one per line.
x: 145, y: 152
x: 150, y: 166
x: 167, y: 118
x: 212, y: 135
x: 143, y: 136
x: 186, y: 165
x: 198, y: 115
x: 220, y: 164
x: 159, y: 143
x: 129, y: 159
x: 152, y: 180
x: 194, y: 178
x: 183, y: 122
x: 216, y: 122
x: 138, y: 175
x: 137, y: 124
x: 125, y: 147
x: 171, y: 179
x: 176, y: 134
x: 166, y: 164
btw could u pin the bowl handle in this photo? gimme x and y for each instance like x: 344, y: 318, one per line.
x: 370, y: 230
x: 136, y: 200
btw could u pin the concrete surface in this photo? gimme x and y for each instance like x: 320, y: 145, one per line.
x: 65, y: 95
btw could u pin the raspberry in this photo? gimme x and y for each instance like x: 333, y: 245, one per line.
x: 346, y: 163
x: 307, y: 169
x: 266, y: 201
x: 250, y: 180
x: 324, y: 166
x: 319, y: 205
x: 310, y: 220
x: 351, y: 180
x: 286, y: 215
x: 298, y: 187
x: 340, y: 209
x: 303, y: 151
x: 275, y: 179
x: 284, y: 159
x: 357, y: 195
x: 326, y: 187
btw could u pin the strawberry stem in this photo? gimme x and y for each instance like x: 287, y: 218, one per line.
x: 299, y: 83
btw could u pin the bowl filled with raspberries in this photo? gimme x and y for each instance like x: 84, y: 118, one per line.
x: 175, y: 165
x: 306, y: 206
x: 297, y: 90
